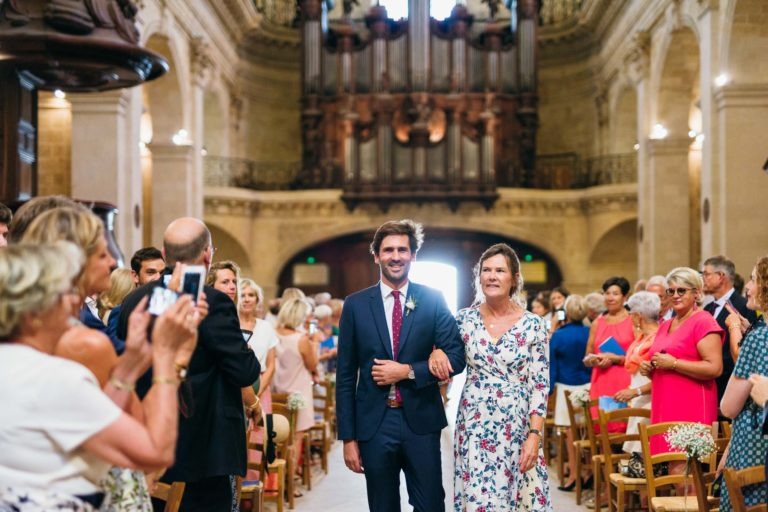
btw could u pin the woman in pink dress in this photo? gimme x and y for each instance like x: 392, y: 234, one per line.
x: 608, y: 373
x: 686, y: 357
x: 296, y: 360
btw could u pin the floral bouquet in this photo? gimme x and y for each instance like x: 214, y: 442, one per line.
x: 694, y: 439
x: 296, y: 401
x: 580, y: 398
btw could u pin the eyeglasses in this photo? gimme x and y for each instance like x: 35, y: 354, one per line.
x: 677, y: 291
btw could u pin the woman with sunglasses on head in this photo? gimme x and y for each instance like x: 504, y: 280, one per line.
x: 748, y: 446
x: 685, y: 359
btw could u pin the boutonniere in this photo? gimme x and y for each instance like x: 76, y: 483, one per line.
x: 410, y: 305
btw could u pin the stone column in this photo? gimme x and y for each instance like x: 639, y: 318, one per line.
x: 202, y: 67
x: 666, y: 214
x: 105, y: 155
x: 172, y: 193
x: 738, y: 205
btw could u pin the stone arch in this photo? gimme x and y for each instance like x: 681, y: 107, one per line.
x: 228, y: 247
x: 678, y: 79
x: 618, y: 244
x: 623, y: 136
x: 745, y: 41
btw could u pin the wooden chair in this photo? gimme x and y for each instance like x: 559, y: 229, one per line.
x: 256, y: 492
x: 549, y: 429
x: 171, y: 494
x: 319, y: 434
x: 726, y: 427
x: 737, y: 479
x: 702, y: 480
x: 597, y: 456
x: 583, y: 448
x: 656, y: 502
x: 614, y: 479
x: 286, y: 450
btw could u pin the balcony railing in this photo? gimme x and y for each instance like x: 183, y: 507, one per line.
x: 568, y: 170
x: 244, y: 173
x: 554, y: 171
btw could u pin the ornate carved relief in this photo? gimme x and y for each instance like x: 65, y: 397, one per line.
x: 638, y: 60
x: 202, y: 63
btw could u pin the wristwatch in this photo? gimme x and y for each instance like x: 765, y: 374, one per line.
x: 411, y: 373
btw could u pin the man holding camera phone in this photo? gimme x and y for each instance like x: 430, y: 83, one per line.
x: 211, y: 444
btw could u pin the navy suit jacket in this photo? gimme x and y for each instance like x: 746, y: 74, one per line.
x: 740, y: 303
x: 363, y: 337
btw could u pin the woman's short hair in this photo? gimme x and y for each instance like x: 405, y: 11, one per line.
x: 322, y: 311
x: 120, y: 285
x: 575, y: 308
x: 32, y: 278
x: 619, y: 281
x: 685, y: 276
x: 246, y: 282
x: 761, y: 283
x: 222, y: 265
x: 293, y: 312
x: 645, y: 304
x: 514, y: 268
x: 76, y: 225
x: 293, y: 293
x: 595, y: 302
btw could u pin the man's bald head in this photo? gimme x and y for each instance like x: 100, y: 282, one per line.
x: 185, y: 241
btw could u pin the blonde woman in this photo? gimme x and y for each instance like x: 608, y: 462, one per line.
x: 296, y: 361
x: 78, y: 431
x: 224, y: 275
x: 120, y: 284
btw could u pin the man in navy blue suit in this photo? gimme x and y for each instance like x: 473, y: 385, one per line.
x: 388, y: 404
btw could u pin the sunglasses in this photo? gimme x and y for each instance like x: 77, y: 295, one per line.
x: 677, y: 291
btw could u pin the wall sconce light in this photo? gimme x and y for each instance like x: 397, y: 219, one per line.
x: 722, y: 79
x: 60, y: 94
x: 659, y: 132
x: 181, y: 138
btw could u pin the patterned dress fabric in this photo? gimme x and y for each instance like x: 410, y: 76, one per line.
x: 507, y: 381
x: 748, y: 445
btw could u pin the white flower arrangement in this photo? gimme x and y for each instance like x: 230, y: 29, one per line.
x: 410, y: 305
x: 296, y: 401
x: 580, y: 398
x: 693, y: 439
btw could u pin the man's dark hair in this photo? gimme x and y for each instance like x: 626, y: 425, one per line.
x: 145, y: 254
x: 5, y: 214
x: 622, y: 283
x: 399, y: 227
x: 722, y: 264
x: 32, y: 209
x: 738, y: 284
x: 189, y: 251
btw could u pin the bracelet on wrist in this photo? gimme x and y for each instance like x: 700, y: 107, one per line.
x: 535, y: 431
x: 165, y: 380
x: 121, y: 384
x: 254, y: 405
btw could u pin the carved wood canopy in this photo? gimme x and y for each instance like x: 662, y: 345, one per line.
x: 418, y: 109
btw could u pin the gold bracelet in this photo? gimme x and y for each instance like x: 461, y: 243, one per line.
x: 165, y: 380
x: 121, y: 385
x: 254, y: 405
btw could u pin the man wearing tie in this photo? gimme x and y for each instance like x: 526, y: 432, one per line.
x: 718, y: 273
x: 388, y: 404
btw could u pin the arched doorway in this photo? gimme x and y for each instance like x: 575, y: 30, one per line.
x: 344, y: 265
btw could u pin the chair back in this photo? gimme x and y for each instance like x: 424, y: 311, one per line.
x: 576, y: 418
x: 737, y: 479
x: 590, y: 423
x: 608, y: 439
x: 171, y: 494
x: 282, y: 409
x: 647, y: 432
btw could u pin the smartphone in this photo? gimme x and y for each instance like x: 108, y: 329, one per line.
x: 312, y: 327
x: 560, y: 315
x: 161, y: 300
x: 192, y: 279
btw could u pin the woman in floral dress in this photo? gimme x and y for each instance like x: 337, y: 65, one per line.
x: 499, y: 460
x: 748, y: 446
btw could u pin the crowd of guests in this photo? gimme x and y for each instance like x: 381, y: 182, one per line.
x: 103, y: 398
x: 689, y: 346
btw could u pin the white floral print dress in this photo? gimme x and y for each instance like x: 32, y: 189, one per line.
x: 507, y: 381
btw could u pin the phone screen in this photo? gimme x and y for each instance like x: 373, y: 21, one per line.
x: 192, y: 282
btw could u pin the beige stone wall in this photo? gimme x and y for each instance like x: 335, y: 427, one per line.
x: 271, y: 227
x: 54, y: 145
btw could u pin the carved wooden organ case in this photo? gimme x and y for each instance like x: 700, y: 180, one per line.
x: 418, y: 109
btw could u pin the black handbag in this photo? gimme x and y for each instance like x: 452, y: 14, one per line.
x: 635, y: 467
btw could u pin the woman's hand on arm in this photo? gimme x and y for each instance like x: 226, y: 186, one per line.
x: 440, y: 365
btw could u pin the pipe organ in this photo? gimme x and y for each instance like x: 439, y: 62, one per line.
x: 418, y: 109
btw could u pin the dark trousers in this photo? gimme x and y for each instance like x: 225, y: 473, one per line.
x: 208, y: 495
x: 396, y: 447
